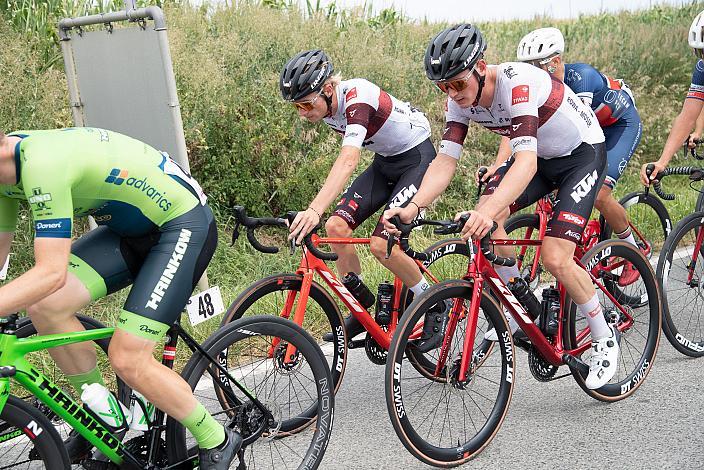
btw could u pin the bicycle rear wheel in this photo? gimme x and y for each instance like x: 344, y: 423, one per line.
x: 650, y: 218
x: 639, y: 337
x: 681, y: 275
x: 294, y: 389
x: 443, y: 421
x: 28, y: 439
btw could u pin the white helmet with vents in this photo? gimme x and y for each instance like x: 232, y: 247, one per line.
x: 540, y: 44
x: 696, y: 33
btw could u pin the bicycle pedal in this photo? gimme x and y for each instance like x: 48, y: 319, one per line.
x: 356, y: 343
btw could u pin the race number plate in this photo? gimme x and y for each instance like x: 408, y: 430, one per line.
x: 205, y: 305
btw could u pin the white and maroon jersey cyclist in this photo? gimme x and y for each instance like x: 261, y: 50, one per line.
x: 537, y: 113
x: 371, y: 118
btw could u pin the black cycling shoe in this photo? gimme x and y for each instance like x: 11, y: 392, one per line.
x: 434, y: 326
x: 352, y: 326
x: 77, y: 447
x: 220, y: 457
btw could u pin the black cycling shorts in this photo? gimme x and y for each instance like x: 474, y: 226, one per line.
x: 163, y: 266
x: 387, y: 182
x: 577, y: 178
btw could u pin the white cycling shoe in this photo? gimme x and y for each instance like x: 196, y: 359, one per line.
x: 491, y: 334
x: 603, y: 362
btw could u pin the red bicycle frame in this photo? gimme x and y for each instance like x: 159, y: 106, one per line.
x: 479, y: 271
x: 311, y: 265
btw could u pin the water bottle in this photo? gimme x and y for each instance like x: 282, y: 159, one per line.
x: 383, y: 303
x: 550, y: 310
x: 105, y: 406
x: 138, y: 404
x: 360, y: 291
x: 521, y: 290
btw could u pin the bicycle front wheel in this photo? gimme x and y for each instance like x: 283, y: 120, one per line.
x: 28, y: 440
x: 640, y: 334
x: 681, y: 275
x: 445, y: 420
x: 294, y: 387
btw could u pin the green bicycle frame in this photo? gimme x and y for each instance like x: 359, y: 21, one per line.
x: 12, y: 354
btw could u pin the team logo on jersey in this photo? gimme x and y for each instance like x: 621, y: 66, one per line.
x: 352, y: 94
x: 352, y: 112
x: 571, y: 218
x: 510, y: 73
x: 353, y: 205
x: 585, y: 185
x: 516, y: 126
x: 519, y: 94
x: 116, y: 176
x: 39, y: 199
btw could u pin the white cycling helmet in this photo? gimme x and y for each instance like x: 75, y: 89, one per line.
x: 540, y: 44
x: 696, y: 34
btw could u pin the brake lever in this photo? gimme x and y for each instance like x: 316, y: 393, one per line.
x: 649, y: 171
x: 235, y: 233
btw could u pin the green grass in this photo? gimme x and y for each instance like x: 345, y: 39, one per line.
x: 247, y: 147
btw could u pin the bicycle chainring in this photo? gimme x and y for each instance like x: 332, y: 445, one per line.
x: 375, y: 353
x: 542, y: 370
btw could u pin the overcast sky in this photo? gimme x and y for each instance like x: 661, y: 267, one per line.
x: 478, y: 10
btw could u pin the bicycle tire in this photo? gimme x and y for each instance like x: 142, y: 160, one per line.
x: 257, y: 328
x: 636, y: 356
x: 245, y: 305
x: 24, y: 423
x: 664, y: 222
x: 679, y: 315
x: 411, y: 431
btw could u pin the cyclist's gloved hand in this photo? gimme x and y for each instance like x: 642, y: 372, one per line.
x: 303, y: 224
x: 477, y: 225
x: 406, y: 214
x: 644, y: 176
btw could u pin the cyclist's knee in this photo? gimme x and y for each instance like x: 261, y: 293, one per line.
x: 129, y: 363
x: 377, y: 245
x: 556, y: 262
x: 49, y: 309
x: 603, y: 198
x: 337, y: 227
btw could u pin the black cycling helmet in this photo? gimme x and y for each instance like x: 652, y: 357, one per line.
x: 456, y: 49
x: 305, y: 73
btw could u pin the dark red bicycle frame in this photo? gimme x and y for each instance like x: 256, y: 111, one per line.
x: 479, y: 271
x: 590, y: 237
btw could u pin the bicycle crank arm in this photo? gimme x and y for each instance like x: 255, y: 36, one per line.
x: 576, y: 363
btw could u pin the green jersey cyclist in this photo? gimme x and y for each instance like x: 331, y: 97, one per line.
x: 155, y: 232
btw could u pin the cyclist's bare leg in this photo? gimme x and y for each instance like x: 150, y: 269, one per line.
x: 57, y: 314
x: 557, y: 257
x: 132, y: 359
x: 613, y: 212
x: 398, y: 263
x: 347, y: 260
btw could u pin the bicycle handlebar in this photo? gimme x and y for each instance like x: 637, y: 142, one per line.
x: 445, y: 227
x: 695, y: 174
x: 253, y: 223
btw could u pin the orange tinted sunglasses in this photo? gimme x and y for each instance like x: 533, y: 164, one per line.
x: 308, y: 104
x: 457, y: 85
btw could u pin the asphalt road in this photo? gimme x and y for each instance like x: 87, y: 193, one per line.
x: 549, y: 425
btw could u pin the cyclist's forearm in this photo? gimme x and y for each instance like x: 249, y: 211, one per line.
x: 512, y: 185
x: 5, y: 244
x: 338, y: 177
x: 681, y: 127
x: 699, y: 127
x: 437, y: 178
x: 504, y: 152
